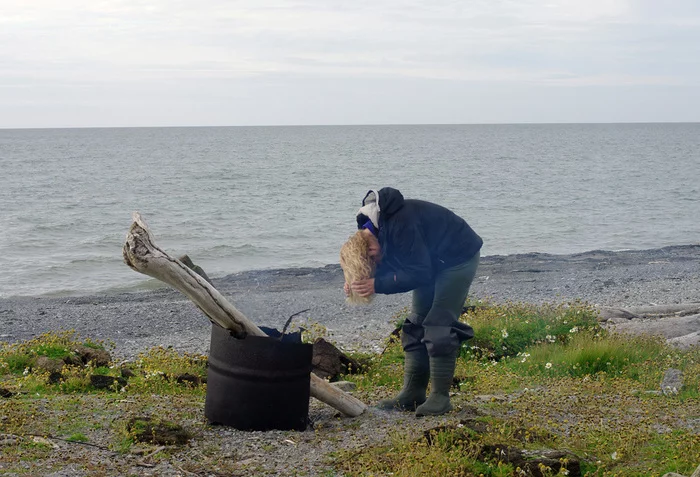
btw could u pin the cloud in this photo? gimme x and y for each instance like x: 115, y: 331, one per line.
x: 131, y: 45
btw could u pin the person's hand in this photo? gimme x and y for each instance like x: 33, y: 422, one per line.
x: 363, y: 288
x: 346, y: 289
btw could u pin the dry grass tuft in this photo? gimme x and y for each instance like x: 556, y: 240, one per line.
x: 357, y: 264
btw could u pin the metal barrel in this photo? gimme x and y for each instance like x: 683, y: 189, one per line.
x: 257, y: 383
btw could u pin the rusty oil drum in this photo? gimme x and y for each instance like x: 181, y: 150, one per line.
x: 257, y: 383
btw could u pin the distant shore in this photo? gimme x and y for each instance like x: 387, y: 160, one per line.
x: 140, y: 320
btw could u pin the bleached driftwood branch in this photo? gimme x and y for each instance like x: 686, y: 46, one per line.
x: 614, y: 313
x: 143, y: 255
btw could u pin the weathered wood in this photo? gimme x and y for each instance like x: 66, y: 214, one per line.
x: 612, y: 313
x: 143, y: 255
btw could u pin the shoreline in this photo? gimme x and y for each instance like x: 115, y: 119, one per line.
x: 136, y: 321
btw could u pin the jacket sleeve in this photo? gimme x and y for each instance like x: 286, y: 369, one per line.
x: 414, y: 267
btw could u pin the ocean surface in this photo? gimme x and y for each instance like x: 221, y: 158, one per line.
x: 243, y: 198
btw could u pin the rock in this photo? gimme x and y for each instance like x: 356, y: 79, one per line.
x: 145, y: 429
x: 44, y: 441
x: 490, y: 398
x: 329, y: 362
x: 55, y: 377
x: 73, y: 360
x: 672, y: 382
x: 127, y: 372
x: 185, y: 259
x: 187, y: 378
x: 8, y: 439
x: 49, y: 364
x: 97, y: 356
x: 346, y: 386
x: 99, y: 381
x: 533, y: 463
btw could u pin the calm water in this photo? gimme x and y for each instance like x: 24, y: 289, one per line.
x: 268, y: 197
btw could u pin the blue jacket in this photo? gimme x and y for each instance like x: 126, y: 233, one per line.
x: 418, y: 240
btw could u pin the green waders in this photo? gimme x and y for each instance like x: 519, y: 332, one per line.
x: 433, y: 330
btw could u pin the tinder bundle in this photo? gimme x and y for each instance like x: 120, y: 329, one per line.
x: 356, y: 264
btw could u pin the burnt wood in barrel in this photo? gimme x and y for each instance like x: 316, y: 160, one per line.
x: 257, y: 383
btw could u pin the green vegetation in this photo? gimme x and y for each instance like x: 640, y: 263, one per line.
x: 534, y: 378
x: 548, y: 377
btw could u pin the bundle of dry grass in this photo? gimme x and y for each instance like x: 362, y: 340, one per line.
x: 356, y: 264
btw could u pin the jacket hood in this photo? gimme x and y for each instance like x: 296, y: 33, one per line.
x: 391, y: 200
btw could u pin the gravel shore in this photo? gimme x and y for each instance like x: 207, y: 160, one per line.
x: 138, y: 321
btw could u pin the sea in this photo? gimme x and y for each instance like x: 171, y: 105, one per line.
x: 253, y: 198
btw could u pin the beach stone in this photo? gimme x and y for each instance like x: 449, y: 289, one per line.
x: 69, y: 471
x: 195, y: 268
x: 534, y: 462
x: 73, y: 360
x: 346, y: 386
x: 146, y: 429
x: 51, y: 365
x: 328, y: 362
x: 55, y: 377
x: 490, y: 398
x: 530, y: 462
x: 8, y: 439
x: 127, y: 372
x: 188, y: 378
x: 99, y: 381
x: 98, y: 357
x: 672, y: 382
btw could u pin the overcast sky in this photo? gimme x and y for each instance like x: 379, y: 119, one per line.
x: 69, y: 63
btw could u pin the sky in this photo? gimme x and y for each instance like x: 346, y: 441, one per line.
x: 71, y: 63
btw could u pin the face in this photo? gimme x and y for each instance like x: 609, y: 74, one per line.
x: 375, y: 251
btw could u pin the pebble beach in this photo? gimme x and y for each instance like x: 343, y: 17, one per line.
x: 136, y: 321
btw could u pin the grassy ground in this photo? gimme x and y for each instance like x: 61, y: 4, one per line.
x: 535, y: 377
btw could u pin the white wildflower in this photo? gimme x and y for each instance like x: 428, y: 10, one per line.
x: 548, y: 365
x: 504, y: 333
x: 551, y: 339
x: 574, y: 329
x: 25, y: 372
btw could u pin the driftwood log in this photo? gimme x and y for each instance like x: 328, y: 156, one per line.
x: 613, y: 313
x: 143, y: 255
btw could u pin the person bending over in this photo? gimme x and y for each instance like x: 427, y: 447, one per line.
x: 422, y: 247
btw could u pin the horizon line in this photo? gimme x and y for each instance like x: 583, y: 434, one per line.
x: 562, y: 123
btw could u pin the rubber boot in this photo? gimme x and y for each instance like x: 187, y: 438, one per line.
x: 442, y: 370
x: 416, y: 374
